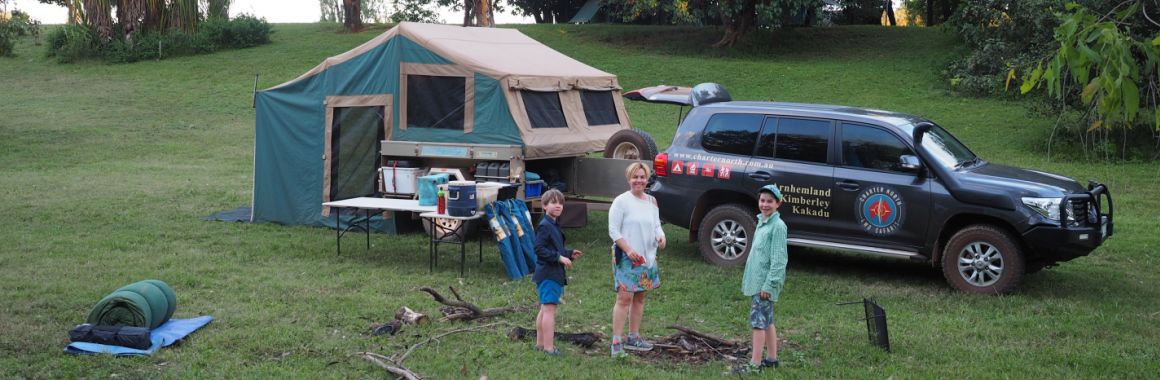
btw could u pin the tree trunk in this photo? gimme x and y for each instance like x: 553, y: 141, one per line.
x: 890, y: 13
x: 352, y: 15
x: 98, y: 15
x: 468, y: 5
x: 930, y: 13
x: 738, y: 23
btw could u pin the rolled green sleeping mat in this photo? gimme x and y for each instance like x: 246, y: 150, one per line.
x: 148, y: 304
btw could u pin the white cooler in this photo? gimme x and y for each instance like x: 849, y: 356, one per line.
x: 400, y: 180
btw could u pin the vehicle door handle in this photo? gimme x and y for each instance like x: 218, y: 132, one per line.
x: 760, y: 175
x: 848, y: 185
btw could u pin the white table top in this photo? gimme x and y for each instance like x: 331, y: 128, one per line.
x: 478, y: 214
x: 382, y: 204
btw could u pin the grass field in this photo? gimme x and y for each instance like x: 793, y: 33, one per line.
x: 106, y: 172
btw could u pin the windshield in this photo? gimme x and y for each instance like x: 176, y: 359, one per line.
x: 946, y: 149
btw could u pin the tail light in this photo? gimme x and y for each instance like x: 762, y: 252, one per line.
x: 661, y: 164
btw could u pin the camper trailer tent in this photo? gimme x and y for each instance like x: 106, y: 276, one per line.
x: 318, y: 136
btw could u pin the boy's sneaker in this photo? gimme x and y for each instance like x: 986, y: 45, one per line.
x: 636, y: 343
x: 618, y: 351
x: 770, y: 363
x: 747, y: 368
x: 553, y: 352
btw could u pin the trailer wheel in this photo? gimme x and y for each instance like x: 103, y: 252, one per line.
x: 631, y: 144
x: 982, y: 259
x: 450, y: 225
x: 726, y: 234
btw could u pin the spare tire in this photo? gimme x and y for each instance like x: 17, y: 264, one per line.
x: 631, y: 144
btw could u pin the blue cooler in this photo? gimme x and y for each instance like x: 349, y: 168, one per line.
x: 461, y: 198
x: 429, y: 188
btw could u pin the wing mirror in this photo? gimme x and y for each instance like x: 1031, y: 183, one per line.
x: 909, y: 163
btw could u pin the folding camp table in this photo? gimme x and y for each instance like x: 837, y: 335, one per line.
x: 367, y: 204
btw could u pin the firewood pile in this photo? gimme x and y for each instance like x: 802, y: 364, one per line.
x: 693, y: 347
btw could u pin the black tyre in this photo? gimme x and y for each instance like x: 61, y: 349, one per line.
x: 631, y: 144
x: 983, y: 259
x: 446, y: 225
x: 725, y: 235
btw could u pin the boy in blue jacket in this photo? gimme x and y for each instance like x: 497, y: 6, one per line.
x: 551, y: 259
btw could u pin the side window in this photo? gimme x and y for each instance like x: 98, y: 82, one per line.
x: 802, y: 140
x: 768, y: 139
x: 599, y: 108
x: 544, y: 110
x: 732, y: 133
x: 871, y: 148
x: 436, y: 101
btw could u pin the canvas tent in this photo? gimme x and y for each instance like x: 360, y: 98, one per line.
x: 317, y: 136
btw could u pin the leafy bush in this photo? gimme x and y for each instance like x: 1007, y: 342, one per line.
x: 7, y: 38
x: 70, y: 43
x: 73, y: 42
x: 1000, y: 35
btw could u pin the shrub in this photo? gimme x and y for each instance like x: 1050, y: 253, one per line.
x: 7, y: 38
x: 73, y: 42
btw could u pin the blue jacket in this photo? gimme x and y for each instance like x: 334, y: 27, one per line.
x: 549, y: 248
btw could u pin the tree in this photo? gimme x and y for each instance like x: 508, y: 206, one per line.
x: 551, y: 11
x: 738, y: 17
x: 352, y: 15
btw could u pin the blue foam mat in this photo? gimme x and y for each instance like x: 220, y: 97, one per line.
x: 162, y: 336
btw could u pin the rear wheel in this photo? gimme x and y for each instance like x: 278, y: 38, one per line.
x: 983, y: 259
x: 726, y: 234
x: 631, y: 144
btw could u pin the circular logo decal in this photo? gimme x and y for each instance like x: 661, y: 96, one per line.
x: 880, y: 210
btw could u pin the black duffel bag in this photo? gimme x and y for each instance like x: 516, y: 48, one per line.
x: 124, y: 336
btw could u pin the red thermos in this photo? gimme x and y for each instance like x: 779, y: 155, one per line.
x: 441, y: 203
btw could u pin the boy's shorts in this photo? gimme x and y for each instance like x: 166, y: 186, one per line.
x: 760, y: 313
x: 549, y: 292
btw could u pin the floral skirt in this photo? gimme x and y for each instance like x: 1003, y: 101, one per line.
x: 635, y: 279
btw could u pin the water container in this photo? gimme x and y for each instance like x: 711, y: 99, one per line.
x: 461, y: 198
x: 481, y: 169
x: 502, y: 173
x: 493, y: 170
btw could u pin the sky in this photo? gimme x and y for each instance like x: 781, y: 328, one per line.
x: 275, y: 11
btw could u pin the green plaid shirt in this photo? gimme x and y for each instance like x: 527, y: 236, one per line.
x: 765, y: 268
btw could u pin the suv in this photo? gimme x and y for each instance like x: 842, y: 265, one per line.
x: 867, y: 181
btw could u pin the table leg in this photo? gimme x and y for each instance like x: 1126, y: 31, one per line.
x: 431, y: 248
x: 479, y: 239
x: 368, y: 224
x: 337, y: 232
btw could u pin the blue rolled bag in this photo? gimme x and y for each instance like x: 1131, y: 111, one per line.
x: 503, y: 239
x: 522, y: 217
x: 518, y: 248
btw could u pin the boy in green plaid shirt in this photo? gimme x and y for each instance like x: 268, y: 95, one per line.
x: 764, y: 277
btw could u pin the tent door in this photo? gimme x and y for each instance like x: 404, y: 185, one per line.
x: 355, y: 129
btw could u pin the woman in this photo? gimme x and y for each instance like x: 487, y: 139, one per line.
x: 634, y: 224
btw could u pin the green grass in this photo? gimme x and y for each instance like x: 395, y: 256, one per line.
x: 106, y: 172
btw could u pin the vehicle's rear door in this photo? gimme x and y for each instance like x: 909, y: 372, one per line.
x: 794, y: 152
x: 876, y: 201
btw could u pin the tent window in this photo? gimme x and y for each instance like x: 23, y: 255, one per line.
x: 544, y: 109
x: 599, y: 108
x: 435, y: 101
x: 354, y: 151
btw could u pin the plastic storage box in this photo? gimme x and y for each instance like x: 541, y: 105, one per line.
x: 398, y: 180
x: 487, y: 192
x: 533, y: 189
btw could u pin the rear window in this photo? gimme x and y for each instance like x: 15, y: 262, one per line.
x: 435, y: 101
x: 732, y: 133
x: 544, y: 110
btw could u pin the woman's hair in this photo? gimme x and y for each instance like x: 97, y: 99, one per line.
x: 552, y: 195
x: 633, y: 167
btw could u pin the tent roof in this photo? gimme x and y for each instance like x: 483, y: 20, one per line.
x: 495, y: 52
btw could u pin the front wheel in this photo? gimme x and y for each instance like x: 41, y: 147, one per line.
x: 983, y: 259
x: 726, y: 234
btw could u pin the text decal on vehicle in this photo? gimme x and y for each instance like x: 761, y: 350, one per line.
x: 880, y: 210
